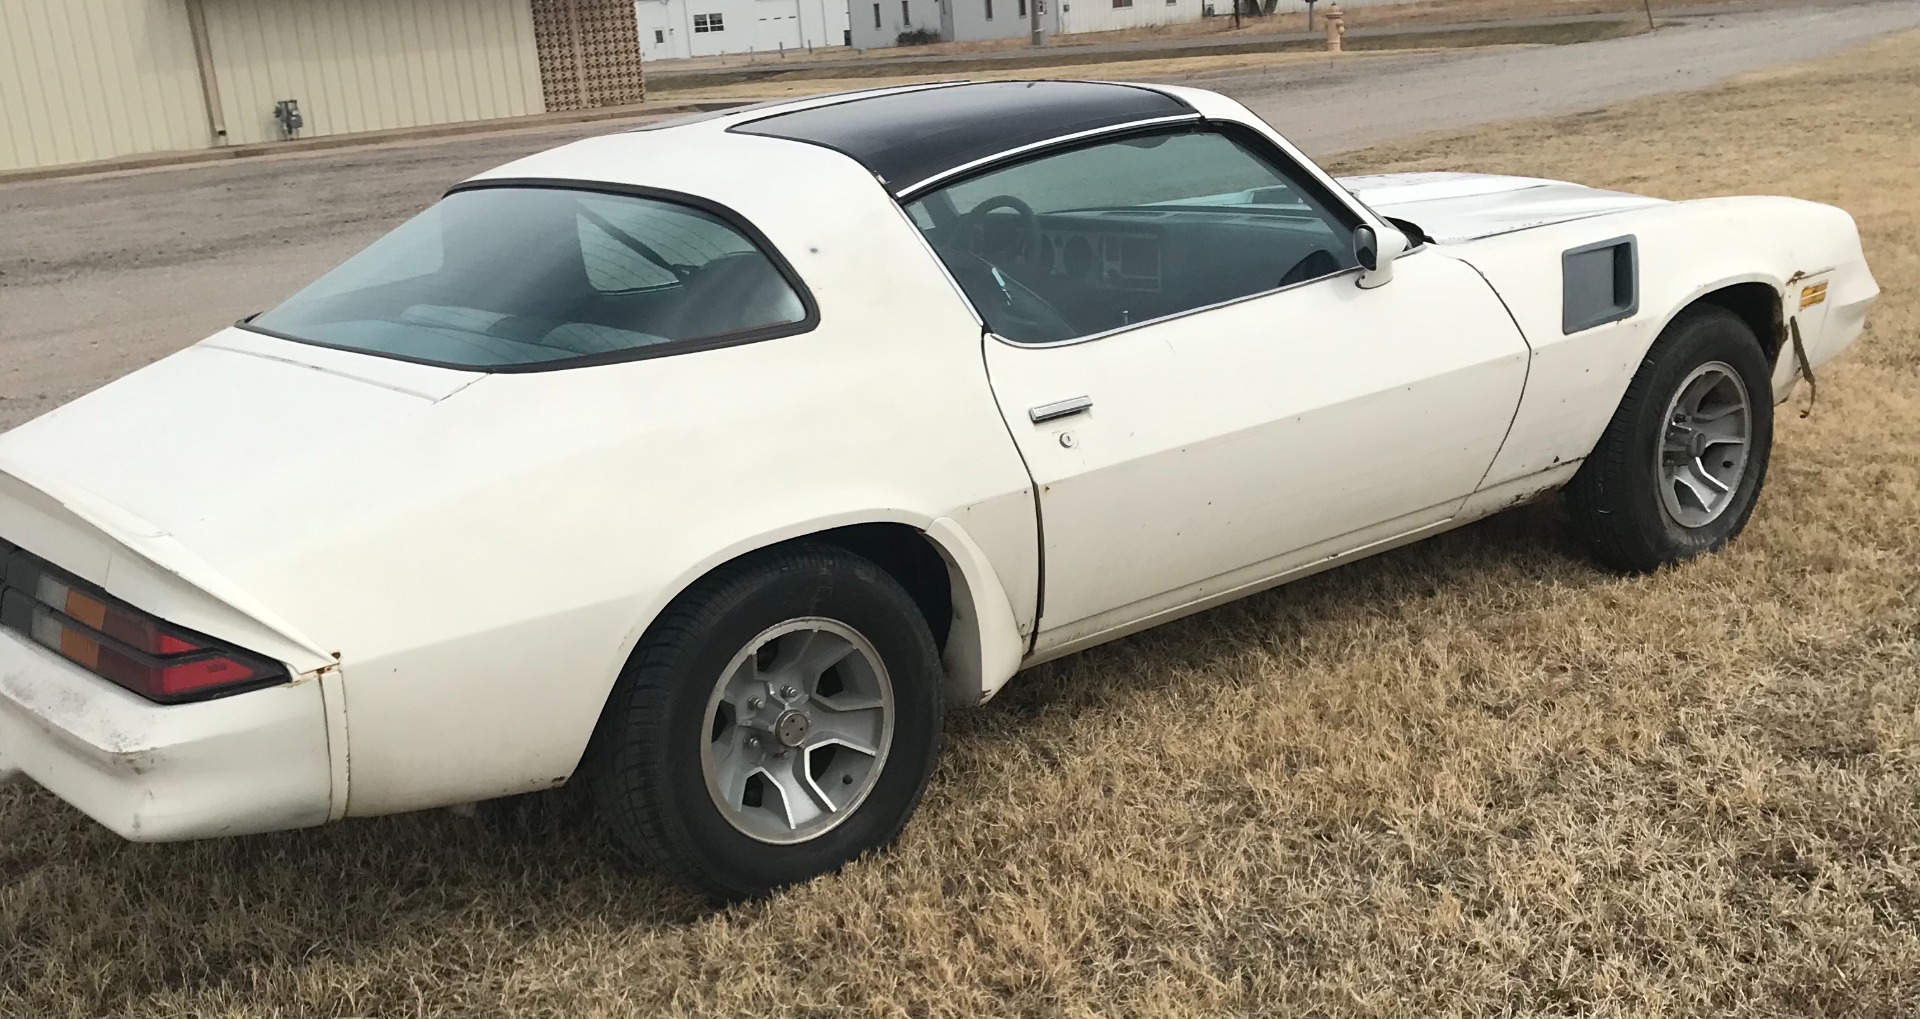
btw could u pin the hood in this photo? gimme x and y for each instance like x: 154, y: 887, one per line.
x: 1452, y: 207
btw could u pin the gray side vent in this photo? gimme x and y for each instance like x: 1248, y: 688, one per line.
x: 1600, y: 283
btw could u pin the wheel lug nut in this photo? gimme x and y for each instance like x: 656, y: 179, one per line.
x: 753, y: 742
x: 789, y: 692
x: 755, y: 704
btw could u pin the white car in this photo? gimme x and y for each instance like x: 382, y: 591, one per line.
x: 713, y: 462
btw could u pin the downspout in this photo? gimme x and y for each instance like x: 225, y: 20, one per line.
x: 209, y: 81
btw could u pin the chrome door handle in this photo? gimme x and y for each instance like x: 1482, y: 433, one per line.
x: 1060, y: 409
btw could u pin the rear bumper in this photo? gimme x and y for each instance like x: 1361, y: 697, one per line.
x: 248, y: 763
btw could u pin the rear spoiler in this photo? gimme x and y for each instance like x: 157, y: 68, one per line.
x: 145, y: 566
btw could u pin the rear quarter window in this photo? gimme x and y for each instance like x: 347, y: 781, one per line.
x: 532, y: 277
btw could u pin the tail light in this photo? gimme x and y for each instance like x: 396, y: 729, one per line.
x: 118, y: 642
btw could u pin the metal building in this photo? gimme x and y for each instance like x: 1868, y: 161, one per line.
x: 84, y: 80
x: 701, y: 28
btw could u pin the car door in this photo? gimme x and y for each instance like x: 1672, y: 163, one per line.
x: 1204, y: 397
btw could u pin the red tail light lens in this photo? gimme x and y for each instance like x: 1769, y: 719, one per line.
x: 122, y: 624
x: 120, y: 643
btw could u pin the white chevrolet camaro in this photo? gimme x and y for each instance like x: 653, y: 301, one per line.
x: 713, y: 462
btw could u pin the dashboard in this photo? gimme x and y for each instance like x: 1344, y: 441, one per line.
x: 1128, y: 262
x: 1102, y: 268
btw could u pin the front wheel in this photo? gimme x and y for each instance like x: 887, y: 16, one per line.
x: 1679, y: 469
x: 780, y: 719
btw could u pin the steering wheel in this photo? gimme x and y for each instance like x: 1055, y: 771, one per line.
x: 976, y: 221
x: 1011, y: 310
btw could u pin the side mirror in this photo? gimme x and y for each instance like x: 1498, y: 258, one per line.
x: 1375, y: 251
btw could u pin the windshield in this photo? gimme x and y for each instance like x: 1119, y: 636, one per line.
x: 516, y: 276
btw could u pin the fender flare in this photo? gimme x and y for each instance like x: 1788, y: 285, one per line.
x: 986, y: 643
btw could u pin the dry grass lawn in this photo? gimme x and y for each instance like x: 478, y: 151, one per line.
x: 1475, y: 775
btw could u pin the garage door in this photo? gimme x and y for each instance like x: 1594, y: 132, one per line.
x: 778, y: 26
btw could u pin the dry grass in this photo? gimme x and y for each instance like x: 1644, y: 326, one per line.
x: 1475, y: 775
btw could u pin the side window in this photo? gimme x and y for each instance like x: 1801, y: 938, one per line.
x: 1121, y: 232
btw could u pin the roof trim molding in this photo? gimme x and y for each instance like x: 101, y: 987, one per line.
x: 911, y: 138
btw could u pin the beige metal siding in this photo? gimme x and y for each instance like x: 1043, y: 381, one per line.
x: 93, y: 79
x: 365, y: 65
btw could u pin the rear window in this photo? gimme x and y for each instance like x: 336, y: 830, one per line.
x: 513, y: 277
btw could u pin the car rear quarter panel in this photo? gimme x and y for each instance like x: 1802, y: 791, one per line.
x: 485, y: 614
x: 1685, y: 250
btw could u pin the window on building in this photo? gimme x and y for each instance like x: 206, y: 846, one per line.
x: 1023, y: 8
x: 660, y: 37
x: 1122, y: 3
x: 989, y: 10
x: 876, y: 15
x: 906, y: 13
x: 703, y: 23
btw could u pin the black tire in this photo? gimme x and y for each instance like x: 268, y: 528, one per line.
x: 646, y: 764
x: 1615, y: 500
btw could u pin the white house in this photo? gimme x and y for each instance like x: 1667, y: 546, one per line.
x: 704, y: 28
x: 1109, y: 15
x: 880, y: 22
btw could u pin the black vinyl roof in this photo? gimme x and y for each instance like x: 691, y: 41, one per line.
x: 906, y: 138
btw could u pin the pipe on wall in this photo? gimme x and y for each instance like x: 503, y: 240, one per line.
x: 209, y: 81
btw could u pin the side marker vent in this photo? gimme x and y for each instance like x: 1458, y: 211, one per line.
x: 1600, y: 283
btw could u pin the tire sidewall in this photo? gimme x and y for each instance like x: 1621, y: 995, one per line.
x: 859, y: 596
x: 1695, y: 341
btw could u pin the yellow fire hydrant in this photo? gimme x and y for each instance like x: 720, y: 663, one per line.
x: 1336, y: 27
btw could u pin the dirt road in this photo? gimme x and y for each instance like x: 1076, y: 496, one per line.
x: 101, y: 275
x: 1335, y: 105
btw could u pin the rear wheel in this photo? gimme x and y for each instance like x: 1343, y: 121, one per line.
x: 780, y: 719
x: 1679, y: 468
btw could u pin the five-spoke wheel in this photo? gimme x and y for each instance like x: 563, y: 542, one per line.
x: 1705, y: 449
x: 800, y: 721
